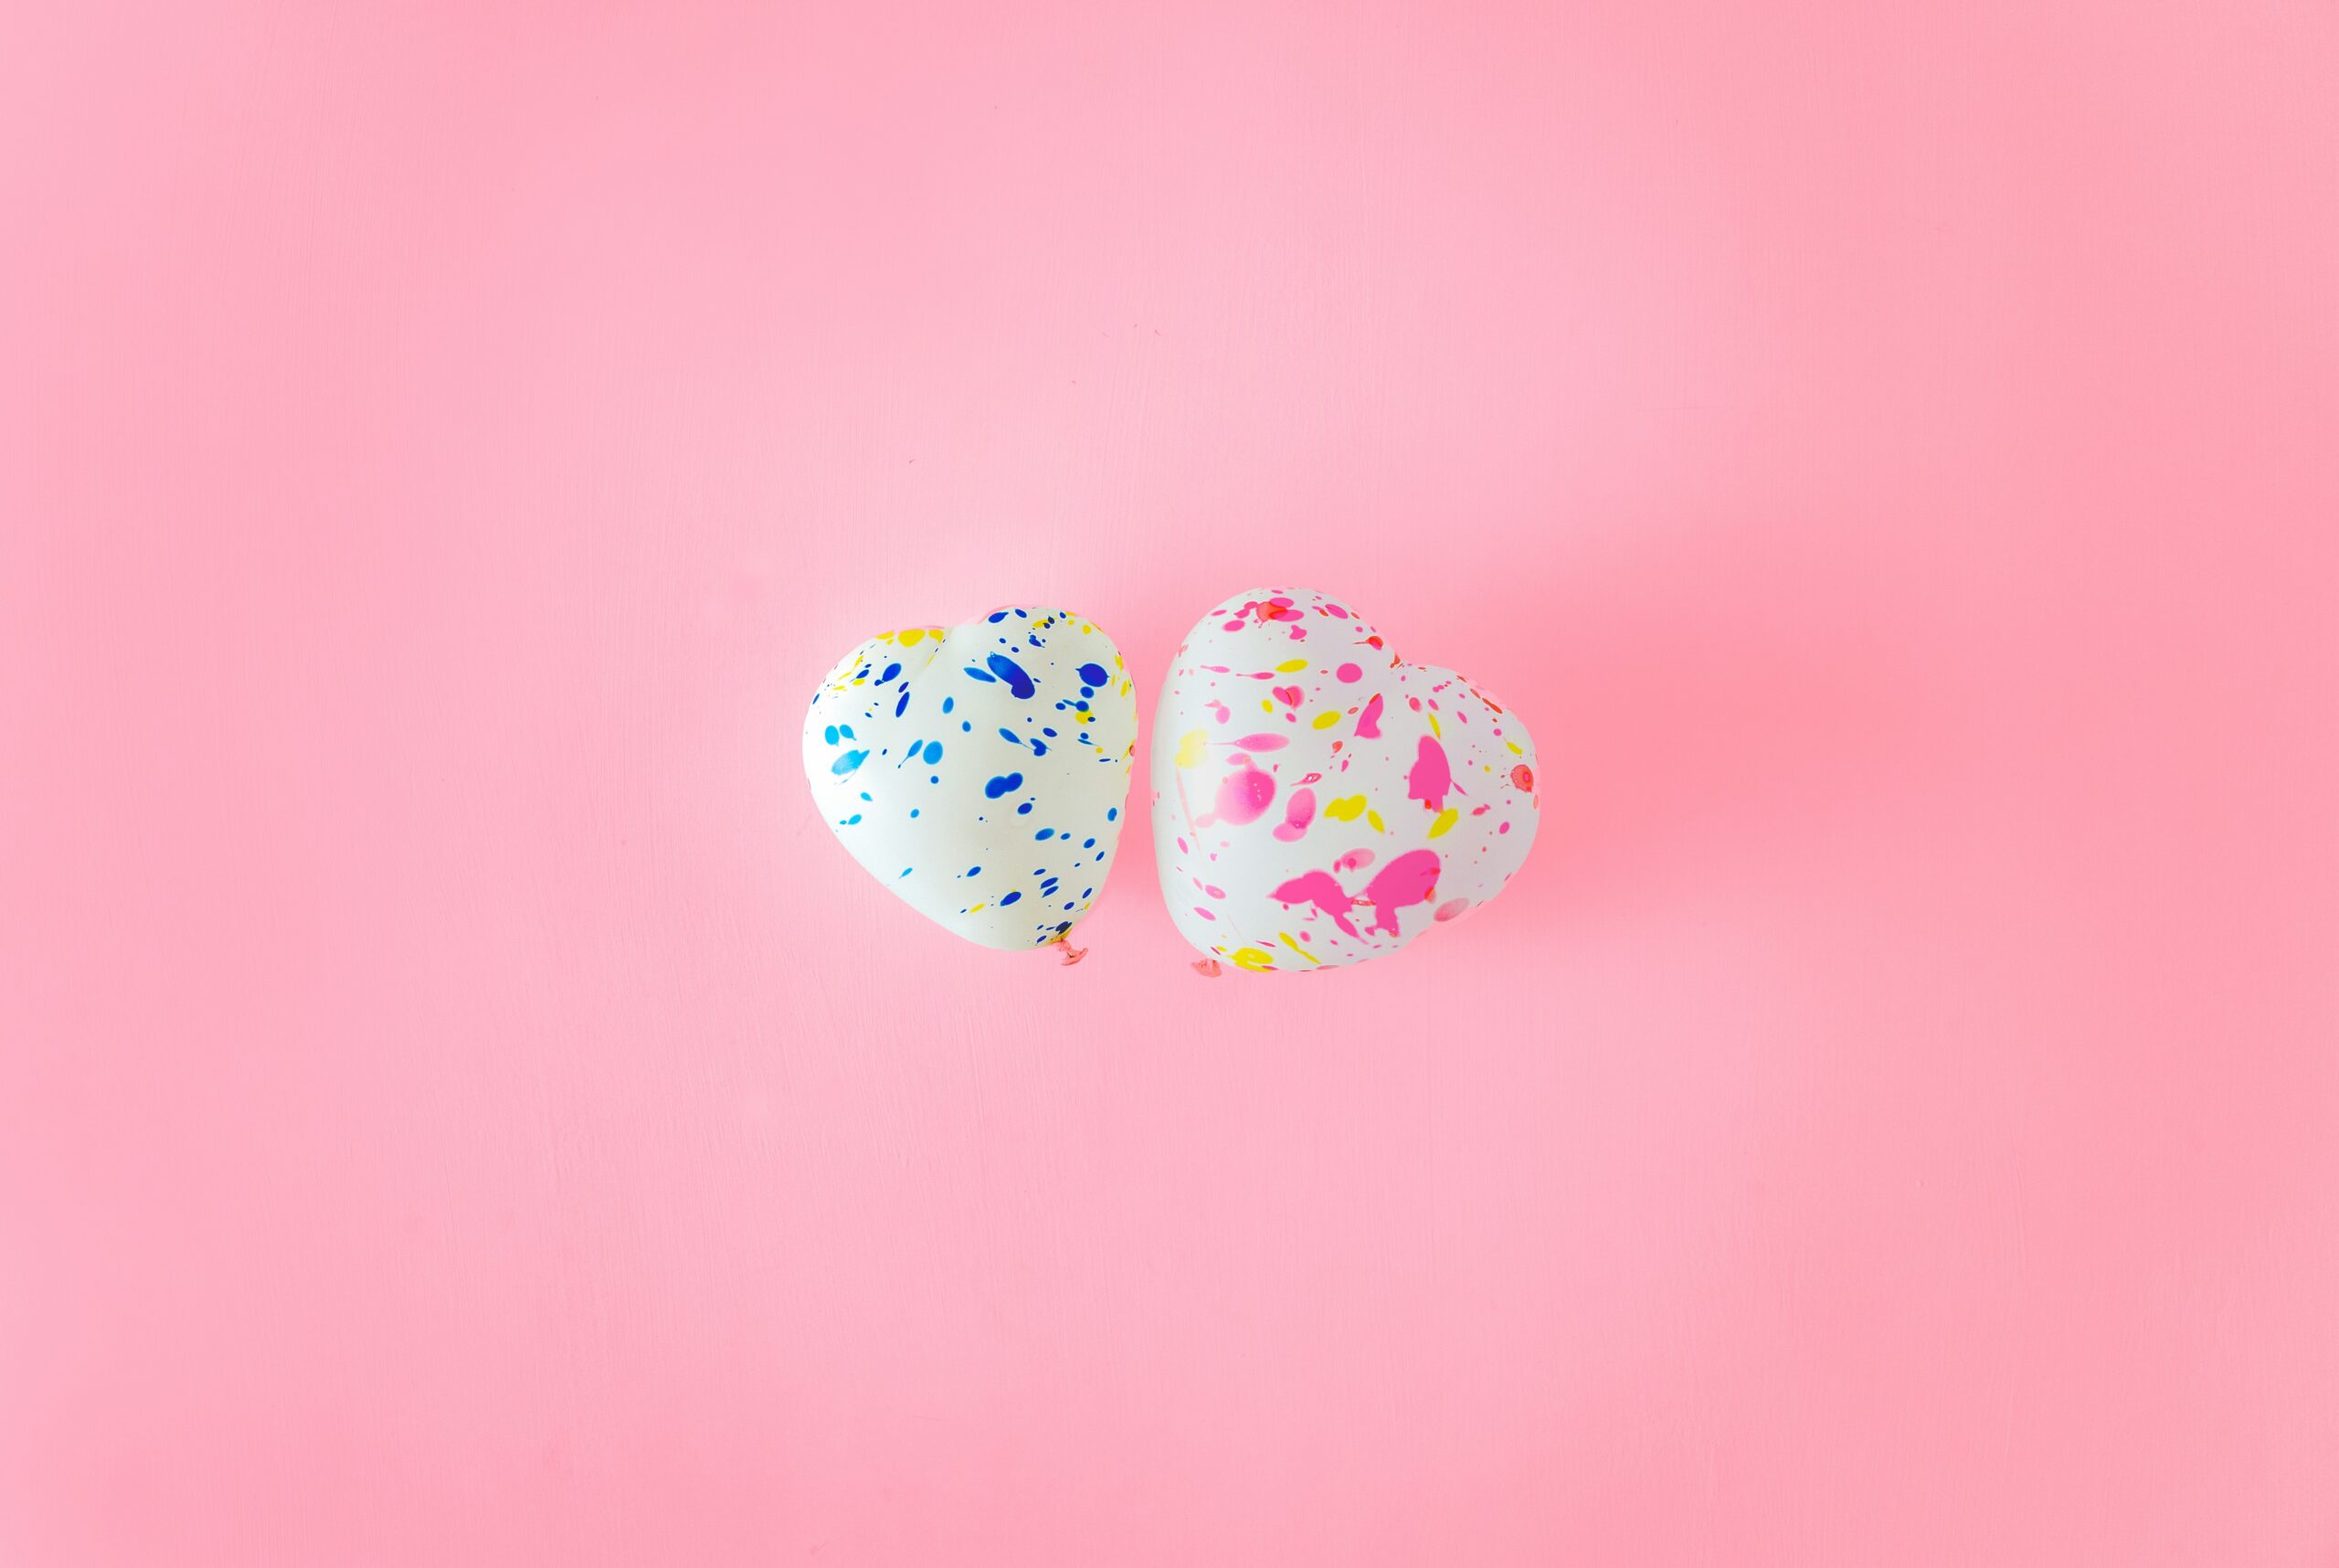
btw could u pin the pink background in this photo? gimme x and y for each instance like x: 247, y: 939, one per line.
x: 457, y: 1106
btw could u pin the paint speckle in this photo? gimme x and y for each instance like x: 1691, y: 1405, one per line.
x: 1010, y: 673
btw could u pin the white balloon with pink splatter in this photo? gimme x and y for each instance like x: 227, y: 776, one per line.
x: 1319, y: 801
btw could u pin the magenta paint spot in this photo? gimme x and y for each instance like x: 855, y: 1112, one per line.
x: 1430, y: 777
x: 1289, y: 695
x: 1243, y: 795
x: 1351, y: 674
x: 1504, y: 829
x: 1368, y: 723
x: 1452, y: 907
x: 1203, y: 912
x: 1297, y: 812
x: 1218, y: 710
x: 1335, y: 611
x: 1311, y: 779
x: 1411, y: 878
x: 1217, y: 893
x: 1355, y: 859
x: 1262, y: 742
x: 1322, y: 890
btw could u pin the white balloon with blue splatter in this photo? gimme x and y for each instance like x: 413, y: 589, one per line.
x: 980, y: 772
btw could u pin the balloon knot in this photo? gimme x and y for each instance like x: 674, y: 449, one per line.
x: 1208, y: 968
x: 1071, y: 954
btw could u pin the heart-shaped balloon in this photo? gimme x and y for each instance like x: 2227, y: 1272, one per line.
x: 979, y: 771
x: 1317, y: 800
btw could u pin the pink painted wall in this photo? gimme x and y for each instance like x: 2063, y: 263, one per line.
x: 458, y: 1107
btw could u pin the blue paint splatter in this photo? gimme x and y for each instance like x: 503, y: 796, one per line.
x: 981, y: 674
x: 846, y: 730
x: 1002, y: 784
x: 1009, y: 671
x: 1024, y: 809
x: 1045, y: 833
x: 890, y: 671
x: 832, y: 735
x: 1113, y: 815
x: 1010, y: 898
x: 1010, y: 737
x: 949, y: 703
x: 1094, y: 674
x: 848, y: 762
x: 933, y: 752
x: 974, y: 871
x: 995, y: 616
x: 1088, y: 843
x: 902, y: 705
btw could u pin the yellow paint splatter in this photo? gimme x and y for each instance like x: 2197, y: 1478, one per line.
x: 913, y: 636
x: 1285, y: 937
x: 1190, y: 748
x: 1346, y: 808
x: 1266, y: 706
x: 1289, y: 665
x: 1374, y: 818
x: 1253, y: 958
x: 1514, y: 746
x: 1433, y: 727
x: 1445, y: 820
x: 1327, y: 719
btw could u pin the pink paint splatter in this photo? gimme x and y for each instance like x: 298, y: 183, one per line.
x: 1297, y: 812
x: 1262, y: 742
x: 1323, y: 890
x: 1289, y: 695
x: 1431, y: 776
x: 1355, y: 859
x: 1350, y: 673
x: 1275, y: 609
x: 1451, y: 908
x: 1243, y: 795
x: 1411, y: 878
x: 1368, y: 723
